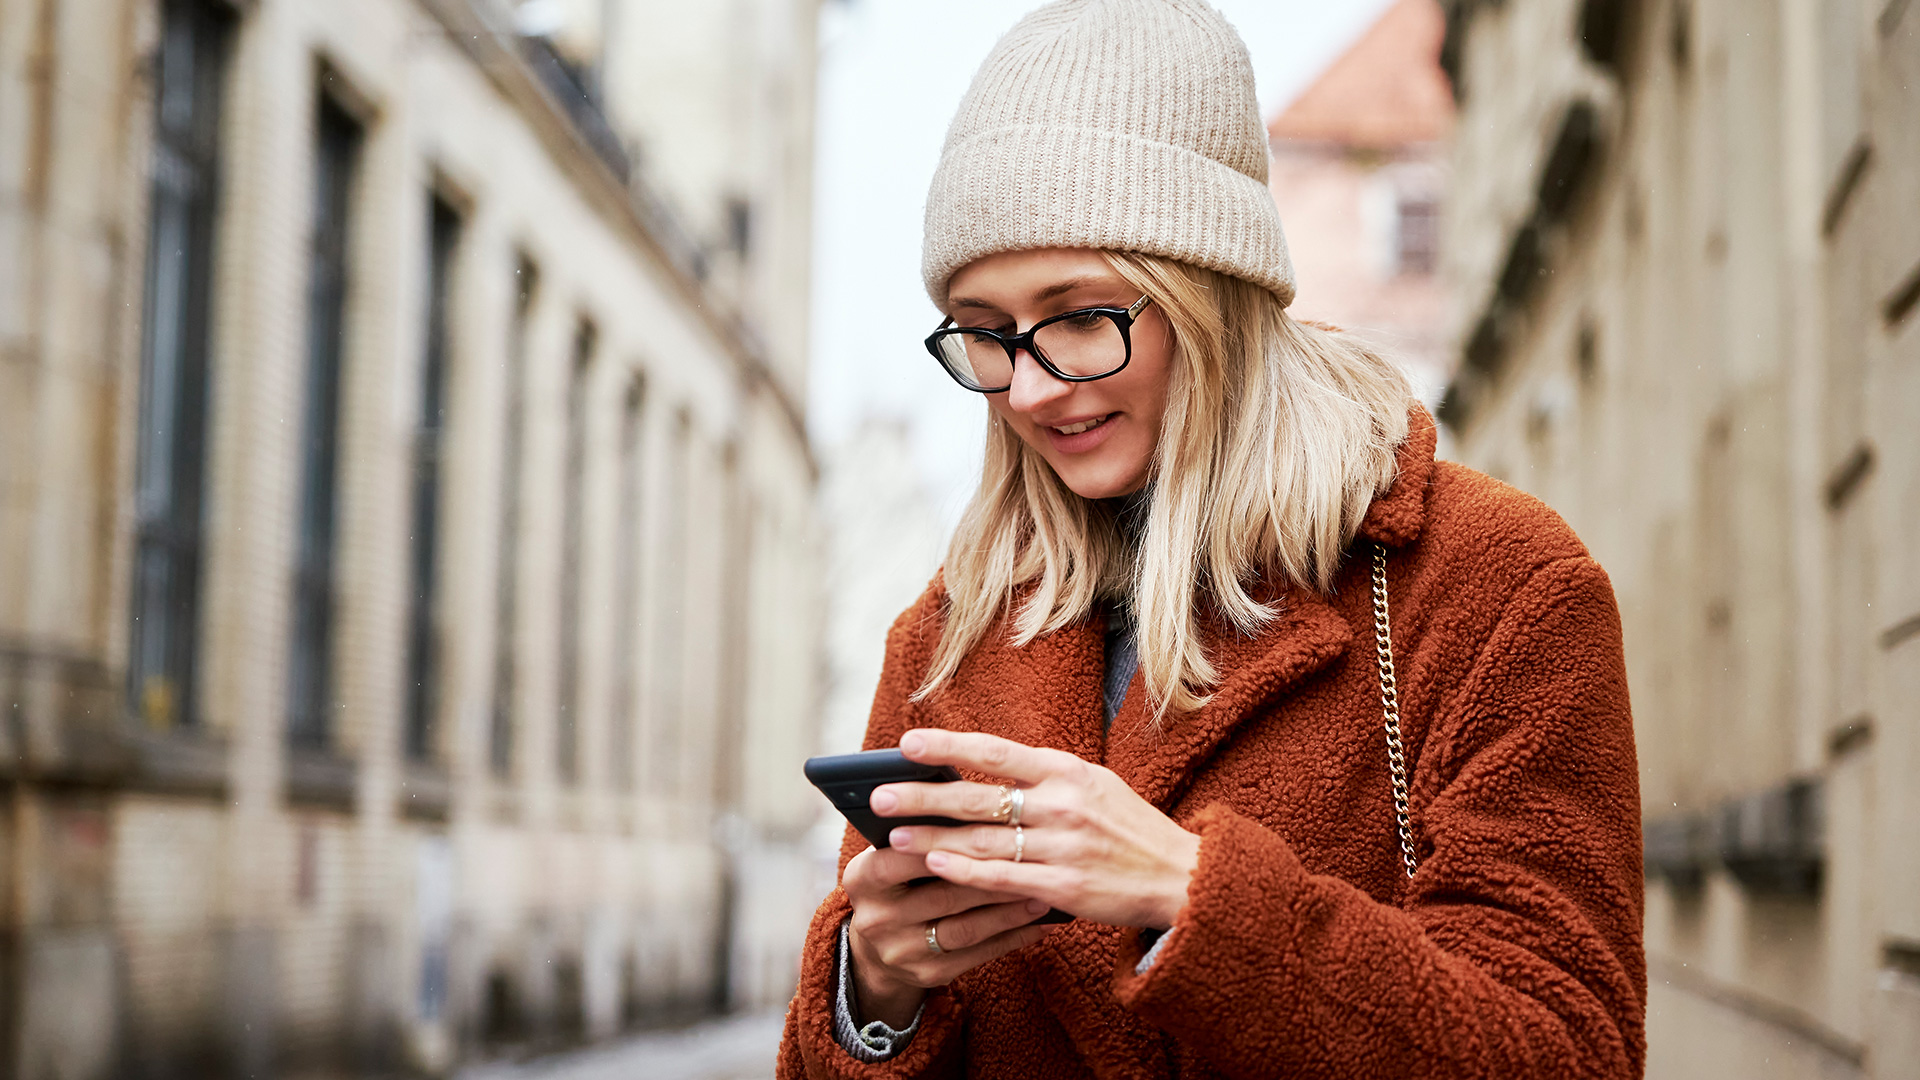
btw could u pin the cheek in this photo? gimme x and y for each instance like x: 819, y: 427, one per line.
x: 1152, y: 369
x: 1024, y: 431
x: 1155, y: 355
x: 997, y: 410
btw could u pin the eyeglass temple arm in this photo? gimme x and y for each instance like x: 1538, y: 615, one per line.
x: 1133, y: 312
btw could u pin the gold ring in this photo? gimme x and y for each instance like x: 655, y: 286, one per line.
x: 933, y: 940
x: 1016, y: 804
x: 1005, y: 809
x: 1019, y: 843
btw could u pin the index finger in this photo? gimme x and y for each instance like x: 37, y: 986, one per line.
x: 985, y: 753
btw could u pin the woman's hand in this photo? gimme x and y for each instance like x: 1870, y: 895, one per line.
x: 1089, y: 844
x: 893, y: 967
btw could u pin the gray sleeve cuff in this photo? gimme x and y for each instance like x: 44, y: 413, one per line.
x: 876, y: 1042
x: 1157, y: 942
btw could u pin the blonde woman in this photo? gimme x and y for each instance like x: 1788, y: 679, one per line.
x: 1324, y: 744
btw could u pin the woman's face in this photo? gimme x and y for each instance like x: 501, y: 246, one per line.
x: 1099, y: 436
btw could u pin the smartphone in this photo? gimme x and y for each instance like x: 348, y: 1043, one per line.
x: 848, y: 780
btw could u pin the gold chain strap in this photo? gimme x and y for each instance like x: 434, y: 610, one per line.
x: 1390, y: 706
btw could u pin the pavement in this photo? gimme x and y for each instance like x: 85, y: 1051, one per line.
x: 729, y: 1048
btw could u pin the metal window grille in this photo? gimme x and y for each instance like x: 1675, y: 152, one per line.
x: 627, y: 555
x: 506, y: 619
x: 423, y: 646
x: 337, y: 139
x: 171, y: 470
x: 667, y: 719
x: 573, y: 512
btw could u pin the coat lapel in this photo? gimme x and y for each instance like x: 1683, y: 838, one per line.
x: 1307, y: 636
x: 1045, y: 693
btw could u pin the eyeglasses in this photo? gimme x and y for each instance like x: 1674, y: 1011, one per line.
x: 1076, y: 346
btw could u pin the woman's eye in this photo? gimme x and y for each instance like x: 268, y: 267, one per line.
x: 1085, y: 320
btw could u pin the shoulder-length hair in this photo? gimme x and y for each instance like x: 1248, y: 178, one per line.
x: 1277, y: 436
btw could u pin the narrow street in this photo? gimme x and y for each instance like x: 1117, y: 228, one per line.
x: 731, y: 1048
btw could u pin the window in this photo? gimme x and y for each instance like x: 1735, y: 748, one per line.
x: 740, y: 226
x: 337, y: 138
x: 573, y: 511
x: 171, y: 469
x: 506, y: 619
x: 1417, y: 234
x: 627, y: 568
x: 665, y: 743
x: 423, y: 647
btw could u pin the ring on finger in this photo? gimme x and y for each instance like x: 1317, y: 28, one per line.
x: 1005, y: 810
x: 1016, y: 803
x: 1019, y: 843
x: 933, y: 939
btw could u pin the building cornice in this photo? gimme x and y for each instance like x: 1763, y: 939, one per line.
x: 632, y: 207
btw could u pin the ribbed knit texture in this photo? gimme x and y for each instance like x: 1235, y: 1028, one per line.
x: 1129, y: 125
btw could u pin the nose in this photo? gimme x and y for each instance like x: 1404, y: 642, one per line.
x: 1033, y: 385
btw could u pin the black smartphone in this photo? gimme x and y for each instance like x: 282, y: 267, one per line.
x: 848, y: 780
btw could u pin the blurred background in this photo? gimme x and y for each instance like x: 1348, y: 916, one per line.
x: 458, y: 457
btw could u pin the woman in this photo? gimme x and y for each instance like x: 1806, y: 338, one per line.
x: 1164, y: 646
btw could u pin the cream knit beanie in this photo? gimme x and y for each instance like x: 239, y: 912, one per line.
x: 1130, y: 125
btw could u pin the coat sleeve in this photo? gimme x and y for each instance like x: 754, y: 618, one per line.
x: 807, y: 1046
x: 1516, y: 951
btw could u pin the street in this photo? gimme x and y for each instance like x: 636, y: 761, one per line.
x: 732, y: 1048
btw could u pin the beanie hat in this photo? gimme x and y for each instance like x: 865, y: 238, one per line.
x: 1128, y: 125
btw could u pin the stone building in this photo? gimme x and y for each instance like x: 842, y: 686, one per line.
x: 887, y: 541
x: 1685, y: 241
x: 408, y: 579
x: 1359, y: 172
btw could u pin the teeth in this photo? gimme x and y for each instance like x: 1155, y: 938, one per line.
x: 1084, y: 425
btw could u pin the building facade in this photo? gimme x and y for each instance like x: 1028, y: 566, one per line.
x: 409, y: 613
x: 1684, y: 241
x: 1359, y: 172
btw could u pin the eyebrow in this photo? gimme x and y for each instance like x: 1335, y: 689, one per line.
x: 1058, y: 288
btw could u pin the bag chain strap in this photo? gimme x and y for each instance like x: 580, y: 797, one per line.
x: 1390, y: 706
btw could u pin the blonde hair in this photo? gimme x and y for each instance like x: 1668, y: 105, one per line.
x: 1277, y: 436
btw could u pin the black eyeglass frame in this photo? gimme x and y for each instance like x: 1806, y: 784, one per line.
x: 1123, y: 318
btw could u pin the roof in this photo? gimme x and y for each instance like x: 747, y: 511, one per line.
x: 1387, y: 90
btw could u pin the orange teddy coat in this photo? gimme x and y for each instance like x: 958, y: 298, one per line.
x: 1304, y: 950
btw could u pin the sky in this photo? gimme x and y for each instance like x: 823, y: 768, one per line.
x: 892, y: 72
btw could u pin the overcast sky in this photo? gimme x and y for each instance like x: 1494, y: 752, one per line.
x: 891, y: 75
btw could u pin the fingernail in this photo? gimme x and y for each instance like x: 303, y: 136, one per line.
x: 1035, y: 907
x: 884, y: 801
x: 937, y: 860
x: 911, y: 743
x: 900, y: 837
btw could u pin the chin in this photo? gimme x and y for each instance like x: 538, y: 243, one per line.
x: 1101, y: 483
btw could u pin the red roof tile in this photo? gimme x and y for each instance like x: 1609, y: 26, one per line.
x: 1387, y: 90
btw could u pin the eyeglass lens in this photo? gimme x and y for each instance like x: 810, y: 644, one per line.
x: 1083, y: 346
